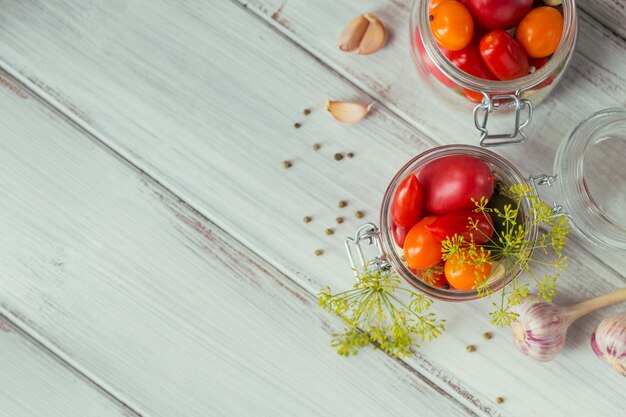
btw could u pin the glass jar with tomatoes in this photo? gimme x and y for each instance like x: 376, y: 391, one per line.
x: 446, y: 182
x: 435, y: 200
x: 493, y: 55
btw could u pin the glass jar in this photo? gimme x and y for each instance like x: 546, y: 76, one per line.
x: 484, y: 97
x: 589, y: 177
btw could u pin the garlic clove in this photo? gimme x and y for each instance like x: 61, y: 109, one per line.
x: 609, y: 341
x: 347, y: 112
x: 365, y: 34
x: 352, y: 34
x: 374, y: 37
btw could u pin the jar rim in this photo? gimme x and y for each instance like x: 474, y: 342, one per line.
x: 586, y: 214
x: 385, y: 213
x: 419, y: 19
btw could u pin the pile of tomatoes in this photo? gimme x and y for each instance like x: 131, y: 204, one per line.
x: 495, y: 39
x: 437, y: 203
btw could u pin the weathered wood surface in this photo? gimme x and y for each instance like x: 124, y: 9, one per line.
x: 156, y: 304
x: 203, y: 99
x: 34, y: 383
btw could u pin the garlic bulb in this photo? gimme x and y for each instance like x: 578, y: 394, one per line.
x: 540, y: 328
x: 609, y: 341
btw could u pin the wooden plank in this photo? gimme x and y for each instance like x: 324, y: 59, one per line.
x: 157, y: 304
x: 610, y: 13
x: 34, y: 383
x: 217, y: 136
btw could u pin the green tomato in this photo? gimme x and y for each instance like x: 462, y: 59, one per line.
x: 498, y: 202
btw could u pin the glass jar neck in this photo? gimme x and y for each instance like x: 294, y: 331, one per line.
x: 420, y: 21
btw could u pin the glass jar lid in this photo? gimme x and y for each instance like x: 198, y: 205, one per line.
x: 590, y: 168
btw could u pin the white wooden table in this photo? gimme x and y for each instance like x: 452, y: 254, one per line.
x: 153, y: 256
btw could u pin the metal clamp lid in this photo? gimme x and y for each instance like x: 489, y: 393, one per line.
x: 366, y: 233
x: 497, y: 102
x: 536, y: 181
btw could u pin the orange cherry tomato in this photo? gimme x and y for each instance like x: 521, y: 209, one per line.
x: 540, y: 31
x: 464, y: 272
x: 434, y: 3
x: 475, y: 96
x: 421, y: 249
x: 452, y: 25
x: 434, y: 276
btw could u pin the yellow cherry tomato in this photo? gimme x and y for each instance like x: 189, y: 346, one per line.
x: 452, y: 25
x: 540, y: 31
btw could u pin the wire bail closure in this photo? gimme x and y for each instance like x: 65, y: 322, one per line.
x: 369, y: 234
x: 495, y: 103
x: 538, y: 180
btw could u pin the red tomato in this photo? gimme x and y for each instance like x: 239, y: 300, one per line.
x: 464, y: 273
x: 399, y: 234
x: 537, y: 63
x: 434, y: 276
x: 459, y: 223
x: 504, y: 56
x: 452, y: 25
x: 421, y: 249
x: 469, y: 60
x: 432, y: 68
x: 498, y: 14
x: 449, y: 183
x: 406, y: 208
x: 539, y: 32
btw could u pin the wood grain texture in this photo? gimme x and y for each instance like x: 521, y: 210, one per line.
x: 610, y: 13
x: 32, y: 383
x: 157, y: 305
x: 217, y: 135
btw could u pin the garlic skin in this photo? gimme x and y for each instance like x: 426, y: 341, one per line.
x: 609, y: 341
x: 540, y: 329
